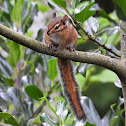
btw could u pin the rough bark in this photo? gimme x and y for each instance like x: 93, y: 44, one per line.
x: 123, y: 60
x: 86, y: 57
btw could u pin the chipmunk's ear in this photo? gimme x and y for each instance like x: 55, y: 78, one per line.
x: 54, y: 15
x: 64, y: 19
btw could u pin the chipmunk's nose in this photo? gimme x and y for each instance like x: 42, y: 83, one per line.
x: 47, y: 32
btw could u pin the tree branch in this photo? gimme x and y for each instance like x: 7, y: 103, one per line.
x: 123, y: 59
x: 86, y: 57
x: 123, y: 39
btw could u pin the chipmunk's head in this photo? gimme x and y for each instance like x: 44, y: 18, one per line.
x: 57, y: 25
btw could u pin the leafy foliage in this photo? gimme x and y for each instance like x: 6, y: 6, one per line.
x: 30, y: 91
x: 85, y: 13
x: 61, y: 3
x: 33, y: 92
x: 120, y: 8
x: 8, y: 118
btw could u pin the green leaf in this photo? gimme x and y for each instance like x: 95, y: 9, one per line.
x: 5, y: 18
x: 39, y: 35
x: 120, y: 13
x: 12, y: 121
x: 44, y: 118
x: 61, y: 3
x: 32, y: 67
x: 111, y: 118
x: 103, y: 13
x: 46, y: 81
x: 8, y: 81
x: 122, y: 5
x: 61, y: 110
x: 14, y: 53
x: 4, y: 95
x: 113, y: 121
x: 83, y: 67
x: 112, y: 106
x: 33, y: 92
x: 76, y: 2
x: 15, y: 95
x: 8, y: 118
x: 118, y: 109
x: 88, y: 124
x: 104, y: 76
x: 52, y: 69
x: 91, y: 25
x: 109, y: 30
x: 9, y: 6
x: 55, y: 6
x: 3, y: 103
x: 25, y: 9
x: 29, y: 34
x: 17, y: 10
x: 108, y: 117
x: 85, y: 13
x: 42, y: 8
x: 6, y: 70
x: 92, y: 114
x: 51, y: 4
x: 28, y: 15
x: 4, y: 115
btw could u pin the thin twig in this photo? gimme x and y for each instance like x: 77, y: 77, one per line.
x: 37, y: 111
x: 90, y: 37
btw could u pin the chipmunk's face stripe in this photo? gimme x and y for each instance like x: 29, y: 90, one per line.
x: 57, y: 25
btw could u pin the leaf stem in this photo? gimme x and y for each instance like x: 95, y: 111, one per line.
x: 43, y: 98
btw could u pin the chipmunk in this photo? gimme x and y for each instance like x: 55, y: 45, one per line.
x: 62, y: 34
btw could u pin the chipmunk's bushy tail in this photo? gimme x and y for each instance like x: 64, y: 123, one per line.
x: 70, y: 88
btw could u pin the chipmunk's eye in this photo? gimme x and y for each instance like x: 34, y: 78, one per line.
x: 64, y: 23
x: 57, y: 26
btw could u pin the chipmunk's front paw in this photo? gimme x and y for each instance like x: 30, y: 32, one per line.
x: 71, y: 48
x: 56, y: 51
x: 49, y: 44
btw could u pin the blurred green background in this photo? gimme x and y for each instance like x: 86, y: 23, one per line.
x: 26, y: 76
